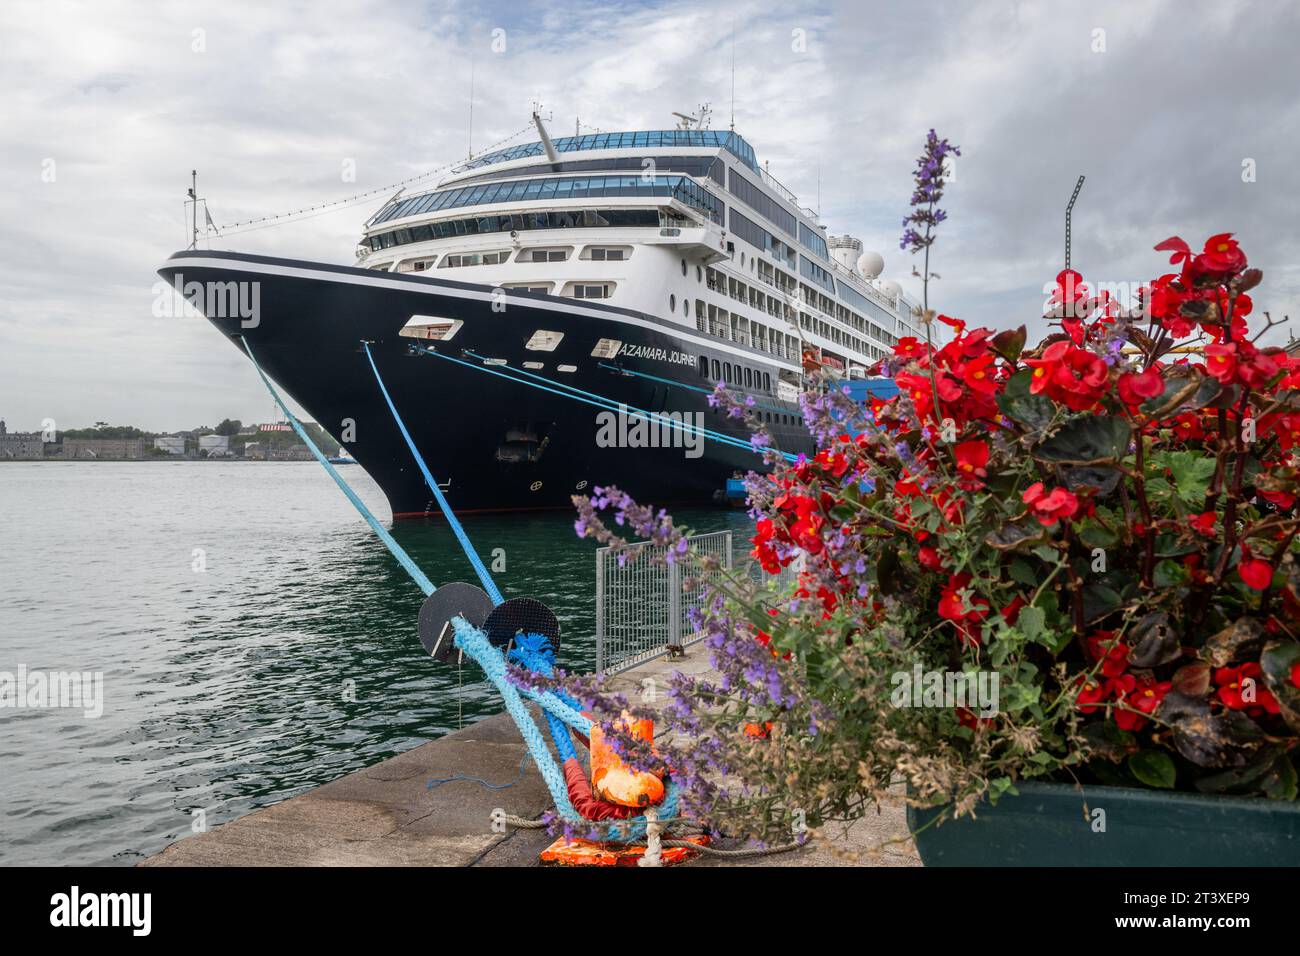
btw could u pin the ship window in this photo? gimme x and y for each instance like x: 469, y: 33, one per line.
x: 717, y: 372
x: 549, y: 255
x: 606, y: 348
x: 749, y: 378
x: 683, y: 267
x: 474, y: 259
x: 726, y: 371
x: 704, y: 366
x: 699, y: 274
x: 535, y: 366
x: 607, y: 255
x: 767, y: 382
x: 494, y: 361
x: 672, y: 303
x: 591, y: 292
x: 543, y: 341
x: 566, y: 368
x: 431, y: 327
x: 686, y: 307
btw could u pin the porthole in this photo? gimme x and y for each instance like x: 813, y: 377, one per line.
x: 580, y: 485
x: 699, y: 274
x: 686, y: 307
x: 683, y: 267
x: 672, y: 303
x: 535, y: 486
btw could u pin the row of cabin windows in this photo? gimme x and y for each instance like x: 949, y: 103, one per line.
x: 757, y: 298
x: 528, y: 255
x: 734, y: 374
x: 475, y: 259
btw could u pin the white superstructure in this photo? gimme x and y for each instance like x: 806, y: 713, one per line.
x: 683, y: 225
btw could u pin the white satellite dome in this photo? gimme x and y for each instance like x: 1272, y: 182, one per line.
x: 890, y: 288
x: 871, y: 264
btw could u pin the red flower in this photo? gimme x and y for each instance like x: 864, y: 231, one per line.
x: 909, y: 347
x: 1239, y: 688
x: 1256, y: 572
x: 1072, y: 376
x: 1112, y: 653
x: 1050, y: 508
x: 929, y: 559
x: 978, y: 374
x: 1287, y: 430
x: 1145, y: 696
x: 1204, y: 523
x: 1283, y: 499
x: 1181, y: 251
x: 1090, y: 694
x: 954, y: 607
x: 1221, y: 362
x: 1011, y: 613
x: 1295, y: 674
x: 1187, y: 426
x: 967, y: 718
x: 972, y: 457
x: 1137, y: 387
x: 1222, y: 254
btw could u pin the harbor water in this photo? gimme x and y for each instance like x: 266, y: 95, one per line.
x: 254, y: 639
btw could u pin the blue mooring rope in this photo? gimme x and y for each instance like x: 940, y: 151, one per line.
x: 604, y: 403
x: 694, y: 388
x: 560, y: 713
x: 457, y: 528
x: 402, y: 557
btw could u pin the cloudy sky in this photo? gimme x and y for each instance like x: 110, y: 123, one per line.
x: 105, y: 107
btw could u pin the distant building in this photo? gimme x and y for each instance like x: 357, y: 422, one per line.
x: 172, y: 444
x: 275, y: 427
x: 104, y: 449
x: 290, y: 453
x: 254, y: 451
x: 18, y: 447
x: 217, y: 446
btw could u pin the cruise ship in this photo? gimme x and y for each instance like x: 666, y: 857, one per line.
x: 640, y: 268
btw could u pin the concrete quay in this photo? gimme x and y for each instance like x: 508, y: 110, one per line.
x: 387, y: 815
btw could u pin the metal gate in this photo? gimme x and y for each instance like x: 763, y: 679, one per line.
x: 641, y: 606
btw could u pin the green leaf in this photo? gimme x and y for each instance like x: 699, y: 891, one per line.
x: 1031, y: 622
x: 1191, y: 471
x: 1095, y: 536
x: 1009, y: 343
x: 1024, y: 574
x: 1087, y: 440
x: 1098, y: 601
x: 1170, y: 574
x: 1154, y: 768
x: 1020, y: 405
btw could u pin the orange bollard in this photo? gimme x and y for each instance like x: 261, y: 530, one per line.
x: 612, y: 779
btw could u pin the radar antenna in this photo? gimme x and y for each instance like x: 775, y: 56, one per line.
x: 698, y: 120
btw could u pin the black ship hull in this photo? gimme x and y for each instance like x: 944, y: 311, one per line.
x: 493, y: 444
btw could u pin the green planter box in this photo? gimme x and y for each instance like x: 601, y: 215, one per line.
x: 1046, y: 826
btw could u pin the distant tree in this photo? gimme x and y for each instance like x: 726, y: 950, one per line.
x: 229, y: 427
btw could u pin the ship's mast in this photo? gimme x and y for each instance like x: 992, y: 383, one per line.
x: 194, y: 208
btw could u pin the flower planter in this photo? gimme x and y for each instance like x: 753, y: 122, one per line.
x: 1046, y: 826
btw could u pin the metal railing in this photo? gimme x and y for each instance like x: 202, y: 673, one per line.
x: 642, y: 603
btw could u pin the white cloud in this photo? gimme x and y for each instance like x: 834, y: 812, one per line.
x: 115, y: 94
